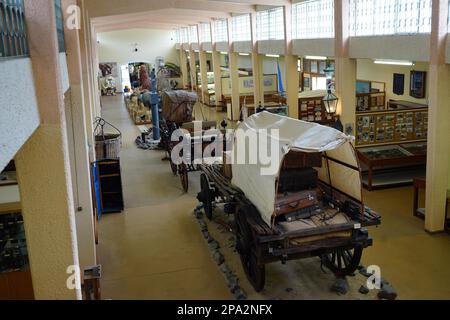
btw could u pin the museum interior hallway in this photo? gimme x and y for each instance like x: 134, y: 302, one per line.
x: 154, y: 249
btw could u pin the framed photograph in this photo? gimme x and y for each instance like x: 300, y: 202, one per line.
x: 366, y: 122
x: 314, y: 67
x: 418, y: 84
x: 248, y: 83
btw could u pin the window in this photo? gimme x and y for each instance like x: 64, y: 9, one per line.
x: 125, y: 76
x: 184, y: 35
x: 13, y: 31
x: 60, y: 26
x: 313, y: 19
x: 380, y: 17
x: 270, y: 24
x: 176, y: 36
x: 240, y: 26
x: 449, y: 16
x: 221, y: 31
x: 193, y: 35
x: 205, y: 32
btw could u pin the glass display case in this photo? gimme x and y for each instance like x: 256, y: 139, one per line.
x: 392, y: 165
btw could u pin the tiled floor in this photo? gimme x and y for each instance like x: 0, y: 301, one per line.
x: 154, y: 249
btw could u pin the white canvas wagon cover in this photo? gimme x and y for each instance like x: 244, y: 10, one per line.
x: 295, y: 136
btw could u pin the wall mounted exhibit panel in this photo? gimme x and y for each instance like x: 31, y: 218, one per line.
x: 313, y: 47
x: 405, y: 47
x: 272, y: 47
x: 246, y: 85
x: 18, y: 108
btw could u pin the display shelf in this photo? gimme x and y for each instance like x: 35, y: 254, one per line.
x: 15, y: 278
x: 390, y: 178
x: 108, y: 186
x: 377, y: 128
x: 391, y: 165
x: 312, y: 109
x: 370, y: 96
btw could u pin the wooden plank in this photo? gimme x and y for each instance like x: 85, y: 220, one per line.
x: 309, y: 232
x: 13, y: 207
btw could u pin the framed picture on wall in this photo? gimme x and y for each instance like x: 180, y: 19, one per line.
x: 322, y: 66
x: 248, y: 83
x: 418, y: 84
x: 306, y: 82
x: 306, y: 65
x: 314, y: 67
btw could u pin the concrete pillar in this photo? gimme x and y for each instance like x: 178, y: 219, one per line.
x: 256, y: 64
x: 234, y: 112
x: 290, y: 63
x: 203, y: 65
x: 216, y: 67
x: 193, y: 69
x: 95, y: 70
x: 217, y: 76
x: 87, y: 81
x: 345, y: 67
x: 183, y: 66
x: 82, y: 178
x: 43, y: 167
x: 438, y: 158
x: 204, y: 73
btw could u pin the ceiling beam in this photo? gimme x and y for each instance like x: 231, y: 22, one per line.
x: 274, y: 3
x: 148, y: 23
x: 103, y: 8
x: 167, y: 14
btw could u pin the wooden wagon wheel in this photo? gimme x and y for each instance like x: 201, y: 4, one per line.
x: 206, y: 196
x: 183, y: 172
x: 343, y: 262
x: 173, y: 166
x: 246, y: 246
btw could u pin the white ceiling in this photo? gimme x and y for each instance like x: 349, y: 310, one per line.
x: 110, y: 15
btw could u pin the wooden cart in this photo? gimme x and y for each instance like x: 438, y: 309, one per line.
x: 339, y: 245
x: 184, y: 168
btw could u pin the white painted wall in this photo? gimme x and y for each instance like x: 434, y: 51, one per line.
x: 313, y: 47
x: 367, y: 70
x: 19, y: 116
x: 401, y: 47
x: 272, y: 47
x: 118, y: 46
x: 9, y: 194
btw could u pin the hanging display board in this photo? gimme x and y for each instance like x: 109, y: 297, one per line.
x: 391, y: 127
x: 312, y: 109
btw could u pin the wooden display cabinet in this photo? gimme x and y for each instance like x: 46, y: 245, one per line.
x: 312, y: 109
x: 15, y: 277
x: 392, y: 165
x: 370, y: 96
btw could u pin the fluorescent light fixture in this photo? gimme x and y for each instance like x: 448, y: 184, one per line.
x: 196, y: 51
x: 208, y: 51
x: 244, y: 54
x: 223, y: 52
x: 273, y: 55
x: 316, y: 58
x: 394, y: 62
